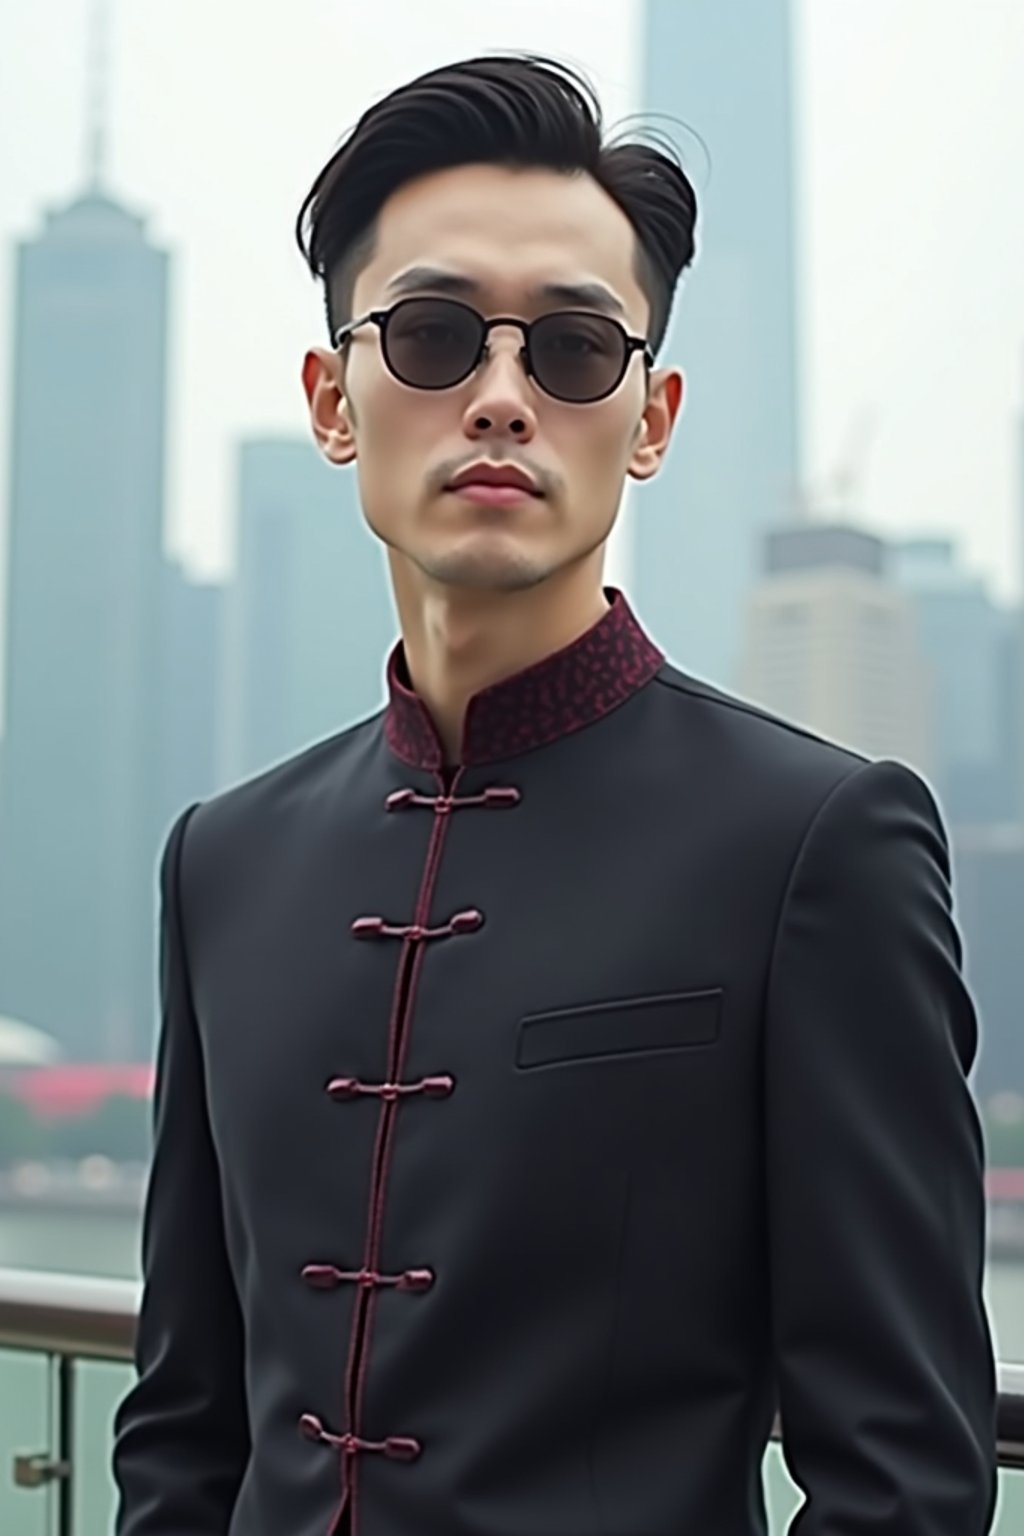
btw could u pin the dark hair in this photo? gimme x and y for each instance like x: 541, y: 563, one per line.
x: 520, y: 110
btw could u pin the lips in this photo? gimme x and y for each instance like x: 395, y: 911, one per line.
x: 494, y: 474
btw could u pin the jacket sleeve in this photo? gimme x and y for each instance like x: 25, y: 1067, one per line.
x: 874, y: 1168
x: 181, y: 1438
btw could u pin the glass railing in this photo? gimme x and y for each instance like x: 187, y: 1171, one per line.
x: 66, y: 1360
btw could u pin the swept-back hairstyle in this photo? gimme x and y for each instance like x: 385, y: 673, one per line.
x: 519, y: 110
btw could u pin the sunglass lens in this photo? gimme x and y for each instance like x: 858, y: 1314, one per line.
x: 432, y: 343
x: 577, y: 357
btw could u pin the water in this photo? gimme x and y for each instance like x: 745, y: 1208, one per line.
x: 108, y: 1245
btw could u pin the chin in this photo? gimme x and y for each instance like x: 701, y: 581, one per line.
x: 487, y: 570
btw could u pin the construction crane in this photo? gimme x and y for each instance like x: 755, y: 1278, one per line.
x: 847, y: 480
x: 839, y: 497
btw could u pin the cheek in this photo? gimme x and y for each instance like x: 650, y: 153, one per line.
x: 398, y: 438
x: 370, y: 392
x: 604, y: 444
x: 389, y: 419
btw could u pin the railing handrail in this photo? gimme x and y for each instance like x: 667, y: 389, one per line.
x: 87, y: 1317
x: 80, y: 1316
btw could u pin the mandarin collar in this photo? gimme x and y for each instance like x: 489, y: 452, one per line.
x: 563, y: 692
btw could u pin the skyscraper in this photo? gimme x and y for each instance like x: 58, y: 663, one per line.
x: 723, y: 67
x: 309, y: 618
x: 966, y: 639
x: 988, y: 869
x: 77, y: 825
x: 190, y: 700
x: 831, y: 644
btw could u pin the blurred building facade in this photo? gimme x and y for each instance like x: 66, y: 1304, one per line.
x: 969, y: 644
x: 988, y: 869
x: 79, y: 809
x: 1016, y: 648
x: 726, y: 72
x: 831, y: 644
x: 192, y: 647
x: 309, y: 617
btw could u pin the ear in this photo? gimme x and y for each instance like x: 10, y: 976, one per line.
x: 664, y: 397
x: 329, y: 416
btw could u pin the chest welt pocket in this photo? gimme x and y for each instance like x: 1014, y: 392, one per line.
x: 673, y: 1021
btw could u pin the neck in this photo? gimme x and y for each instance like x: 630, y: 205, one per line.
x: 459, y: 641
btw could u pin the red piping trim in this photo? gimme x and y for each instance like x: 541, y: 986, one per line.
x: 398, y: 1037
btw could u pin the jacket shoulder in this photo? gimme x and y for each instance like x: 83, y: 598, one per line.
x: 761, y: 747
x: 771, y: 777
x: 307, y: 777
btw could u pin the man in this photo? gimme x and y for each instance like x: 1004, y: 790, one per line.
x: 566, y: 1067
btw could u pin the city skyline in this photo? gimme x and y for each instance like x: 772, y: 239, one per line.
x: 251, y: 672
x: 912, y: 285
x: 736, y: 323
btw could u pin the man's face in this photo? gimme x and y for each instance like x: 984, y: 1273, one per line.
x: 507, y: 233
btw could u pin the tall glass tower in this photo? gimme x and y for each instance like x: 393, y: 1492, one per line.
x: 309, y: 616
x: 78, y: 824
x: 723, y: 67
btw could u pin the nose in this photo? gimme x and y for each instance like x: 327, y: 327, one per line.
x: 501, y: 394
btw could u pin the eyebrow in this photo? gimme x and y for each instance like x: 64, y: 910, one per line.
x: 437, y: 280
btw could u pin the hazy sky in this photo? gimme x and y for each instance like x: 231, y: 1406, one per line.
x: 911, y: 123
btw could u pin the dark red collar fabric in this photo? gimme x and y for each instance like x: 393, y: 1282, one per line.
x: 564, y: 692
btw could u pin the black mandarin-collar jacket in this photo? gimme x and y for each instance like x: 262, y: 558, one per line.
x: 526, y: 1134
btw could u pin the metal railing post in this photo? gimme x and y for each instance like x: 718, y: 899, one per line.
x: 65, y: 1444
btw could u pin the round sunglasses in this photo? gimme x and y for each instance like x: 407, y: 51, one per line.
x: 573, y: 355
